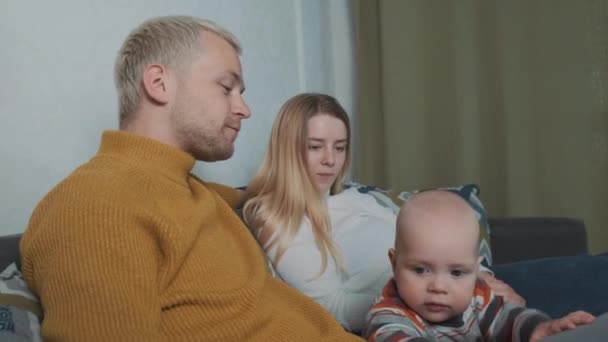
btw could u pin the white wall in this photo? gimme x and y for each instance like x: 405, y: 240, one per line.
x: 57, y: 92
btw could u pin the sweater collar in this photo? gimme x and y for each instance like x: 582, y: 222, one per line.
x: 147, y: 153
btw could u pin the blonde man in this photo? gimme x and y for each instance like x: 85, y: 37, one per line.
x: 436, y: 293
x: 132, y: 246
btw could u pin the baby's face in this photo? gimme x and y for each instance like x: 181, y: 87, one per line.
x: 436, y: 273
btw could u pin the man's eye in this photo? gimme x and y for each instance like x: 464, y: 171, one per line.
x: 314, y: 147
x: 341, y: 148
x: 227, y: 89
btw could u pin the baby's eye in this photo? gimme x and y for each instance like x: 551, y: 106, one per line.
x: 419, y: 269
x: 457, y: 273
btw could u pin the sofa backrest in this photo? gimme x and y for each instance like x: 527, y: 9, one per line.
x: 524, y: 238
x: 9, y: 250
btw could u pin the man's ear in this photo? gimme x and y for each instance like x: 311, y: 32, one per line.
x: 155, y: 83
x: 479, y: 259
x: 392, y: 257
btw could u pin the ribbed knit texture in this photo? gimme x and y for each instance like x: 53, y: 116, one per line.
x: 132, y: 247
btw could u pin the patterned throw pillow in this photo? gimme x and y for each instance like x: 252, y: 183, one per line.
x: 469, y: 192
x: 20, y: 310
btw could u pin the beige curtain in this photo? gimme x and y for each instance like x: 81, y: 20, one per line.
x: 511, y: 95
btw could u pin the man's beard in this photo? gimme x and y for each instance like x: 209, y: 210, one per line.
x: 210, y: 152
x: 208, y: 147
x: 201, y: 141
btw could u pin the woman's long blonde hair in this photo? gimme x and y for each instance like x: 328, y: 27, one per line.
x: 282, y: 193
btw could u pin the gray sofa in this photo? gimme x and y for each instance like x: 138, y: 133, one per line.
x: 525, y: 238
x: 512, y: 239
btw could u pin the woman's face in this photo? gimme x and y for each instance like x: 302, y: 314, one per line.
x: 325, y: 150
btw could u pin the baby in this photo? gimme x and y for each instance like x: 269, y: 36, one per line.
x: 435, y: 293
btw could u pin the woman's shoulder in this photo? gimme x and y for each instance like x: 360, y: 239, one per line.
x: 353, y: 199
x: 350, y: 195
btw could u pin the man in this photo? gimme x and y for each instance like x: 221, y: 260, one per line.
x: 133, y: 247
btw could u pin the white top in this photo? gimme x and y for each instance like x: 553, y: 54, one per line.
x: 363, y: 230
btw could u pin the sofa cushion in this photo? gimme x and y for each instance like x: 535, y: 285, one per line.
x: 469, y: 192
x: 20, y: 311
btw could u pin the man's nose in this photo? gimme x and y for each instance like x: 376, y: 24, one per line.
x: 240, y: 107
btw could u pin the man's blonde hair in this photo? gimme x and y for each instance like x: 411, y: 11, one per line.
x: 282, y: 192
x: 172, y: 41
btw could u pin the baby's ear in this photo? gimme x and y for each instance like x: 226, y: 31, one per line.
x: 392, y: 257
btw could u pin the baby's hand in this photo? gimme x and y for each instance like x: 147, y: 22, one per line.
x: 555, y: 326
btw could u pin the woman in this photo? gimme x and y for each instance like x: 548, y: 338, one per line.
x: 305, y: 222
x: 329, y: 243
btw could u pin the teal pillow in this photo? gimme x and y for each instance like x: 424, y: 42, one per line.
x: 469, y: 192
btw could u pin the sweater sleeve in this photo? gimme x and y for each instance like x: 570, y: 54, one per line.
x: 229, y: 194
x: 386, y: 326
x: 503, y: 321
x: 388, y: 320
x: 105, y: 277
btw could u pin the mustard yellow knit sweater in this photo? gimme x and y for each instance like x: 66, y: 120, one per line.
x: 133, y: 247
